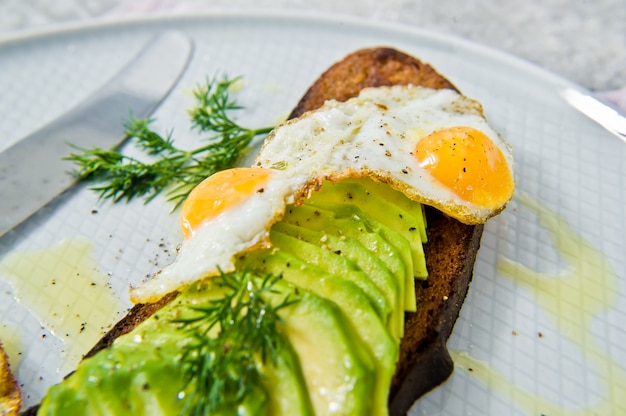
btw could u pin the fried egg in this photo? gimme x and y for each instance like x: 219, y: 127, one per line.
x: 435, y: 146
x: 228, y: 213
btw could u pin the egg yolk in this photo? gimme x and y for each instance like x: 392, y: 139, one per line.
x: 469, y: 163
x: 217, y: 193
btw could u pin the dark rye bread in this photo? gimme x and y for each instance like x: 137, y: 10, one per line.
x: 451, y: 250
x: 424, y: 361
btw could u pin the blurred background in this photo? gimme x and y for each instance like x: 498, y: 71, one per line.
x: 582, y: 40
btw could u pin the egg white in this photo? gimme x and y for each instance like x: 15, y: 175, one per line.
x: 375, y: 134
x: 211, y: 248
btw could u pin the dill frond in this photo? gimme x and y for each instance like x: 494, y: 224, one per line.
x: 124, y: 177
x: 222, y: 369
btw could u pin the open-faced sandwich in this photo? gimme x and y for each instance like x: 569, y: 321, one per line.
x: 326, y: 278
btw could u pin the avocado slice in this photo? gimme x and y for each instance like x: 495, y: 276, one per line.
x: 354, y: 303
x: 348, y: 212
x: 338, y: 369
x: 389, y: 246
x: 374, y: 267
x: 397, y: 198
x: 120, y: 381
x: 380, y: 209
x: 337, y: 265
x: 285, y: 384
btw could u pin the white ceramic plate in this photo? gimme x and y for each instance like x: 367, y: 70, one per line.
x: 542, y: 330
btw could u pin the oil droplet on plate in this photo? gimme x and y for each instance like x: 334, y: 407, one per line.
x: 64, y: 290
x: 572, y: 299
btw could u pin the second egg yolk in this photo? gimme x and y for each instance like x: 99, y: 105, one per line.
x: 469, y: 163
x: 219, y: 192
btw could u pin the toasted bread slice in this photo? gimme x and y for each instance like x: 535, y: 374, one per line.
x: 451, y: 250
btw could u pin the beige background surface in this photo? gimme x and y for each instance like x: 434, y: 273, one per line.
x: 582, y: 40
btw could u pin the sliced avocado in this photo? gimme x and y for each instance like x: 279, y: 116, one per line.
x: 349, y: 212
x: 117, y: 383
x: 366, y: 260
x: 337, y: 265
x: 141, y: 373
x: 393, y: 249
x: 338, y: 369
x: 285, y: 384
x: 354, y: 303
x: 397, y: 198
x: 382, y: 210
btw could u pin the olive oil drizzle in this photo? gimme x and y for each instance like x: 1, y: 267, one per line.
x: 70, y: 298
x: 571, y: 300
x: 13, y: 343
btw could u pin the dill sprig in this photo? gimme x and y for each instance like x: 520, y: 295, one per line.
x: 221, y: 370
x: 125, y: 177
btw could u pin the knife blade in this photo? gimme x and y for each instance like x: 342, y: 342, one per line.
x: 33, y: 172
x: 601, y: 113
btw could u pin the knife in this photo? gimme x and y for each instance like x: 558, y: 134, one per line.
x: 33, y: 172
x: 601, y: 113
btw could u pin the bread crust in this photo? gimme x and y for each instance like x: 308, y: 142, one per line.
x: 138, y: 313
x: 424, y: 361
x: 370, y: 67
